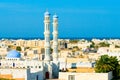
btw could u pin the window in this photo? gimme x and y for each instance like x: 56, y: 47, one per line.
x: 37, y: 77
x: 13, y: 64
x: 39, y: 66
x: 28, y: 67
x: 71, y: 77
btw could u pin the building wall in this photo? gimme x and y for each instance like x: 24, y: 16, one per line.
x: 21, y: 74
x: 36, y: 69
x: 86, y: 76
x: 3, y: 51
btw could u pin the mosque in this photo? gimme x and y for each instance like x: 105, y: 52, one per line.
x: 14, y: 67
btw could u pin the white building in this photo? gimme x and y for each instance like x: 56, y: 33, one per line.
x: 85, y: 76
x: 110, y: 51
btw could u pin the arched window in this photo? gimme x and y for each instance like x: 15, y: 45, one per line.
x: 28, y: 67
x: 13, y: 64
x: 39, y: 66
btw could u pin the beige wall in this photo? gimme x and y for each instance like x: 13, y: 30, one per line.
x: 15, y: 74
x: 82, y: 70
x: 86, y: 76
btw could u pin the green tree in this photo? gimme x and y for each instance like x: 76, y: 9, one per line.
x: 75, y: 48
x: 27, y: 47
x: 115, y: 63
x: 116, y: 46
x: 18, y: 48
x: 118, y: 70
x: 103, y: 64
x: 93, y: 45
x: 10, y: 46
x: 104, y: 44
x: 74, y: 41
x: 106, y: 64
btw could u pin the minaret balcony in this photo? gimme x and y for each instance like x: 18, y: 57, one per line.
x: 55, y: 24
x: 46, y: 32
x: 55, y: 32
x: 46, y: 21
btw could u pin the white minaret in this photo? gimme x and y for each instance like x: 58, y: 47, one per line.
x: 55, y: 38
x: 55, y: 47
x: 47, y: 35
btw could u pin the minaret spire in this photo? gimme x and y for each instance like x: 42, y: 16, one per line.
x: 55, y: 37
x: 47, y: 35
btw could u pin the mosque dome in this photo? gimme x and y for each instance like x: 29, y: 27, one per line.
x: 55, y: 16
x: 13, y: 54
x: 46, y: 13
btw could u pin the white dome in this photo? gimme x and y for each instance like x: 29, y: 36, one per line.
x: 55, y: 16
x: 46, y: 13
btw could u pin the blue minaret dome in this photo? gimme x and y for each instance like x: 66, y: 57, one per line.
x: 55, y: 16
x: 13, y: 54
x: 46, y: 13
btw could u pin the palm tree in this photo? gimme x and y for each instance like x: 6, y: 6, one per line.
x: 106, y: 64
x: 115, y: 64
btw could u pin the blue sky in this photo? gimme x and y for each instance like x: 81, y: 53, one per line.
x: 77, y: 18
